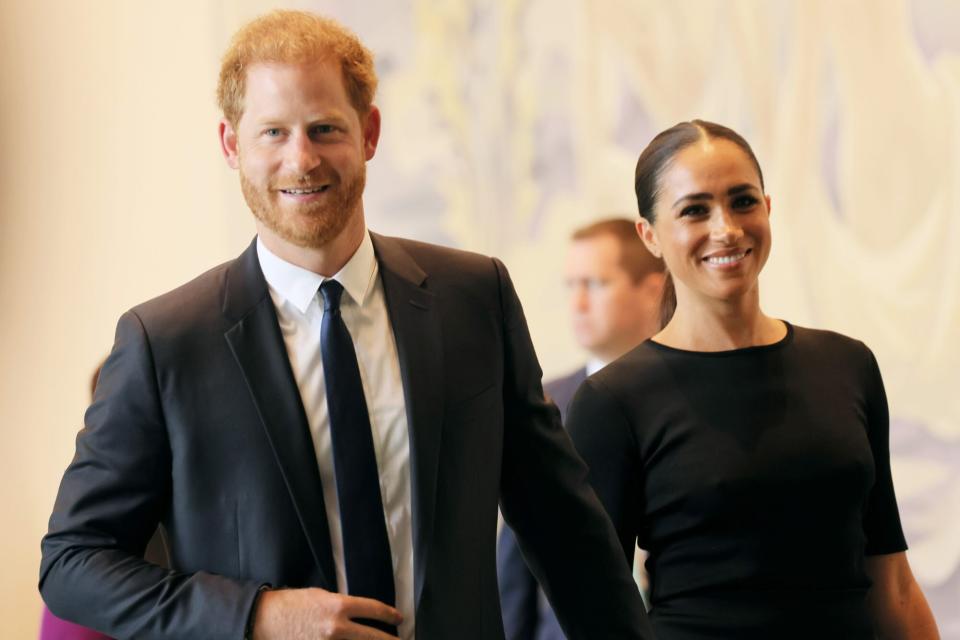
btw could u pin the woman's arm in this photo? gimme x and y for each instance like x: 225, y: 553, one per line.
x: 896, y: 603
x: 604, y: 439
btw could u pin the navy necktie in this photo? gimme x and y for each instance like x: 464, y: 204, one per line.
x: 366, y: 547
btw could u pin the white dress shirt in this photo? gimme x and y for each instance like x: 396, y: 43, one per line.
x: 295, y: 294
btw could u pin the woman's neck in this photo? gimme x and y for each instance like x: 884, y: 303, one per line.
x: 720, y: 325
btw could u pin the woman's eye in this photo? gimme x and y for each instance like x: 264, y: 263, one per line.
x: 273, y: 133
x: 744, y: 202
x: 694, y: 210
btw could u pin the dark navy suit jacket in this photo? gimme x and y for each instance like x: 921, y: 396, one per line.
x: 526, y: 613
x: 197, y: 424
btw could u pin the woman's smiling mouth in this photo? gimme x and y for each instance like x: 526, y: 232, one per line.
x: 728, y: 259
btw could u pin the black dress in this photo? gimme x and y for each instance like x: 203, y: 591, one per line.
x: 758, y: 479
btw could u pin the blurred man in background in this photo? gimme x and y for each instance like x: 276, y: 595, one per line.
x: 614, y: 286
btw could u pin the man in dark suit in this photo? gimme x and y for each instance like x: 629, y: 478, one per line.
x: 614, y: 285
x: 324, y: 426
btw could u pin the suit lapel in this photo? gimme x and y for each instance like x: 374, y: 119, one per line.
x: 416, y: 329
x: 257, y: 345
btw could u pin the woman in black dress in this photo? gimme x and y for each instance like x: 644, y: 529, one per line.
x: 747, y: 455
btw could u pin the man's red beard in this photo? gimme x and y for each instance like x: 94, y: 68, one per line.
x: 310, y: 225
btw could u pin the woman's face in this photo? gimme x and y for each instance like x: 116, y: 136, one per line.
x: 712, y: 222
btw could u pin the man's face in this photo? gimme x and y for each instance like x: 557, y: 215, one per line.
x: 301, y: 149
x: 611, y: 313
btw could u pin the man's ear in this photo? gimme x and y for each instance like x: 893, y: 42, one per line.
x: 649, y: 237
x: 228, y: 144
x: 653, y: 282
x: 371, y: 132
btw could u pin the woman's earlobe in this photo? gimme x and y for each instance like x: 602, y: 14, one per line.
x: 645, y: 231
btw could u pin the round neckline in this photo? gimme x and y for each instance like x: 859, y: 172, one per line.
x: 779, y: 344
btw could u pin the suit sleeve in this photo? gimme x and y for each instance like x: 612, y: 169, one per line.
x: 567, y: 539
x: 518, y: 589
x: 110, y: 500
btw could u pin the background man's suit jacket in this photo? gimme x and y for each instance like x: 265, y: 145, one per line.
x: 197, y: 423
x: 527, y: 614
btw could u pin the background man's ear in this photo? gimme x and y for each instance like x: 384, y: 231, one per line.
x: 653, y: 283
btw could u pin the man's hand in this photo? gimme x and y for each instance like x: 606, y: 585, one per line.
x: 316, y: 614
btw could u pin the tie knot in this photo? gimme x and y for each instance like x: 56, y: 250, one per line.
x: 331, y: 290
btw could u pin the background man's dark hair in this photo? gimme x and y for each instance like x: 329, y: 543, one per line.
x: 635, y: 259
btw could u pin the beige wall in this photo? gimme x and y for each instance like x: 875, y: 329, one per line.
x: 111, y: 190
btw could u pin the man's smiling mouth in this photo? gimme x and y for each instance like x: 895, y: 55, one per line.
x: 305, y: 192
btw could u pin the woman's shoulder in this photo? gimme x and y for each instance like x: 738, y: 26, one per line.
x: 629, y: 374
x: 827, y: 342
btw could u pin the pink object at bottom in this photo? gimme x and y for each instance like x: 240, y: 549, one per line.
x: 53, y: 628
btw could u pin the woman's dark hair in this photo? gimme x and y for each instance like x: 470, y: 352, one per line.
x: 655, y: 159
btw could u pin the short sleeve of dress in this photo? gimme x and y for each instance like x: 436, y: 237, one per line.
x: 881, y: 520
x: 604, y: 439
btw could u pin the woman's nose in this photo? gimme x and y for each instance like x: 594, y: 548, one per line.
x: 725, y: 226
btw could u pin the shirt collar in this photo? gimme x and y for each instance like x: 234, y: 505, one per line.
x: 299, y: 286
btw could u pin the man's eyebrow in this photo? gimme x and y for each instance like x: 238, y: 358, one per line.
x: 272, y: 120
x: 269, y: 121
x: 327, y: 118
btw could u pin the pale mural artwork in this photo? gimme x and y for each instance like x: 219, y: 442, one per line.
x: 509, y: 123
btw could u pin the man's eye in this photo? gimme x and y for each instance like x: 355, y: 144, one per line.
x: 744, y: 202
x: 322, y: 129
x: 594, y: 284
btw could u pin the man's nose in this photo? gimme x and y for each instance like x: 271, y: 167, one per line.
x: 579, y: 300
x: 302, y: 156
